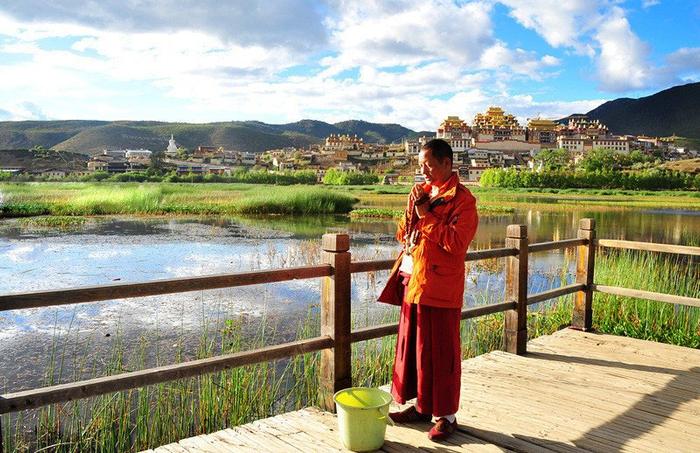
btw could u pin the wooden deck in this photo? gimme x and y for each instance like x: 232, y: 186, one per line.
x: 573, y: 391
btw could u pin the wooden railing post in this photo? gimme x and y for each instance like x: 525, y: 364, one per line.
x: 515, y: 335
x: 335, y: 318
x: 585, y: 263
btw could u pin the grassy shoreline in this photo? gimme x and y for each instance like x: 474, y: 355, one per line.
x: 152, y: 199
x: 84, y: 199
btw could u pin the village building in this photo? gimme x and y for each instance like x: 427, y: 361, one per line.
x: 455, y: 132
x: 580, y: 126
x: 343, y: 142
x: 138, y: 156
x: 585, y: 145
x: 542, y: 132
x: 50, y: 173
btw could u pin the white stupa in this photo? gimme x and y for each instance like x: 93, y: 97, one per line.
x: 172, y: 147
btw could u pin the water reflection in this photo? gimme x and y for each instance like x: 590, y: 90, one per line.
x: 137, y: 249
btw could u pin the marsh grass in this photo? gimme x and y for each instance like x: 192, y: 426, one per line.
x: 89, y: 199
x: 58, y: 222
x: 159, y: 414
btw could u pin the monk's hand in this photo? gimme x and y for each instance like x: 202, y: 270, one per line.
x: 422, y: 208
x: 418, y: 195
x: 420, y: 200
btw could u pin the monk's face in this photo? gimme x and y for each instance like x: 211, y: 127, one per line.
x: 436, y: 171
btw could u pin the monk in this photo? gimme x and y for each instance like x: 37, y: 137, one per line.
x: 439, y: 223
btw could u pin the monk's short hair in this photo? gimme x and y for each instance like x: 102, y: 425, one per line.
x: 440, y: 149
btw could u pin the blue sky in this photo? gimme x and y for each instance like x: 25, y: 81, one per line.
x: 411, y: 62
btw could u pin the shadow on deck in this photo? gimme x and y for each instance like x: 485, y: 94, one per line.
x: 572, y: 391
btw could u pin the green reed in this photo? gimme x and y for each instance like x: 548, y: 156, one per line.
x: 88, y: 199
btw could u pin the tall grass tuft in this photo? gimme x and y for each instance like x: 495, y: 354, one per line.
x: 296, y: 201
x: 648, y: 320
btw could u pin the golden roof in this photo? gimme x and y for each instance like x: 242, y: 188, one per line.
x: 542, y: 124
x: 453, y: 122
x: 495, y: 117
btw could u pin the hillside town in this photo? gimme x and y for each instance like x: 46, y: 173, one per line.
x: 494, y: 139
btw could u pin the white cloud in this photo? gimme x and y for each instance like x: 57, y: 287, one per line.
x: 401, y: 33
x: 601, y: 30
x: 294, y: 24
x: 649, y: 3
x: 560, y: 23
x: 22, y: 111
x: 623, y: 62
x: 411, y: 62
x: 516, y: 61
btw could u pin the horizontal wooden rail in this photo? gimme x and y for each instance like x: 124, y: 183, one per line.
x: 155, y: 287
x: 490, y: 309
x: 381, y: 265
x: 491, y: 253
x: 554, y: 245
x: 640, y: 294
x: 31, y: 399
x: 649, y: 246
x: 369, y: 333
x: 368, y: 266
x: 556, y: 292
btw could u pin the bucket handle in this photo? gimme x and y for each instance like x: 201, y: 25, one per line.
x: 385, y: 418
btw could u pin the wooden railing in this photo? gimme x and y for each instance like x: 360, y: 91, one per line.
x: 336, y: 335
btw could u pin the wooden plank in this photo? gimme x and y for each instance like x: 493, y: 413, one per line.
x: 538, y: 412
x: 556, y: 245
x: 648, y: 246
x: 229, y: 438
x: 545, y: 413
x: 203, y: 444
x: 554, y: 293
x: 30, y: 399
x: 648, y: 295
x: 557, y: 391
x: 610, y: 348
x: 172, y: 448
x: 589, y: 388
x: 111, y: 291
x: 559, y: 397
x: 293, y: 435
x: 260, y: 441
x: 325, y: 430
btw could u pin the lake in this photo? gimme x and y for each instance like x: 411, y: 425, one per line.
x: 136, y: 249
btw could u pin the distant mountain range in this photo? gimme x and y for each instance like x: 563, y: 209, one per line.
x: 672, y: 111
x: 254, y: 136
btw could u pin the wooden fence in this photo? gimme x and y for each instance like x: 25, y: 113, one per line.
x: 336, y: 335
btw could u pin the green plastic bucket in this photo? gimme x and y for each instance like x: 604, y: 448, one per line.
x: 362, y: 417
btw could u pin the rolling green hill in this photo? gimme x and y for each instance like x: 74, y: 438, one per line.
x: 89, y: 137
